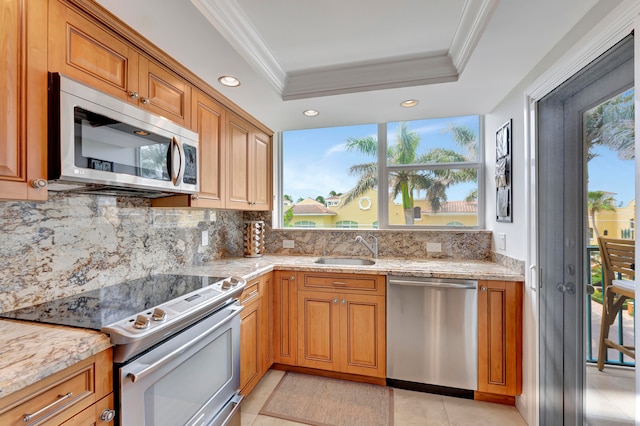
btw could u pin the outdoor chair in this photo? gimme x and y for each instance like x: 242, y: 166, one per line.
x: 618, y: 285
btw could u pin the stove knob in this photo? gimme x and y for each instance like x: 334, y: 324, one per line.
x: 226, y: 285
x: 141, y: 322
x: 159, y: 315
x: 234, y: 282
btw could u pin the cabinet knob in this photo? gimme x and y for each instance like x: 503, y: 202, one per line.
x: 344, y: 301
x: 483, y: 288
x: 38, y: 183
x: 107, y: 415
x: 146, y: 101
x: 134, y: 95
x: 335, y: 300
x: 292, y: 278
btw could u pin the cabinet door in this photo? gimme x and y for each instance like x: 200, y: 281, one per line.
x: 23, y: 99
x: 209, y: 119
x: 250, y: 346
x: 88, y: 53
x: 163, y: 93
x: 267, y: 322
x: 238, y: 148
x: 285, y: 318
x: 260, y: 167
x: 319, y: 330
x: 363, y: 337
x: 500, y: 337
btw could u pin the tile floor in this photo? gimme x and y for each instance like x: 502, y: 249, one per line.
x: 610, y: 394
x: 410, y: 408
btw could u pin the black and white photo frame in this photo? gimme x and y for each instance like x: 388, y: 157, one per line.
x: 503, y: 173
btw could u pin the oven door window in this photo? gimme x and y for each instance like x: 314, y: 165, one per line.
x: 109, y: 145
x: 174, y: 398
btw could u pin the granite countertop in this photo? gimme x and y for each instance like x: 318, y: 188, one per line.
x: 250, y: 268
x: 29, y: 352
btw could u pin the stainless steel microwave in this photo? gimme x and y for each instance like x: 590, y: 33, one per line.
x: 101, y: 144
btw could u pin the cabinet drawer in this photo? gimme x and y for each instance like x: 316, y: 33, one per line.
x: 62, y: 395
x: 253, y: 290
x: 362, y: 283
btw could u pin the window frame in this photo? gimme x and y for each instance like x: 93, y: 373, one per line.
x: 383, y: 182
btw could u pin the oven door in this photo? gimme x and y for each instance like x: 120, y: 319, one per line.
x: 191, y: 379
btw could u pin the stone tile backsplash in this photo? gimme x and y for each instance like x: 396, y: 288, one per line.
x: 75, y: 243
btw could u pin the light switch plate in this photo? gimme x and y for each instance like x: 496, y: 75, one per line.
x: 205, y: 238
x: 288, y: 244
x: 502, y: 241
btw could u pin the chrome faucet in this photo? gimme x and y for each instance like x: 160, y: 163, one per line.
x: 373, y: 248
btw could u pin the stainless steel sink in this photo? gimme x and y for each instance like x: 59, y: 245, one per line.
x: 344, y: 261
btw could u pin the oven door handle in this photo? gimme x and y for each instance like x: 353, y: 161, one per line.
x: 134, y: 376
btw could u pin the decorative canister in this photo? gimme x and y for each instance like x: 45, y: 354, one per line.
x: 253, y: 238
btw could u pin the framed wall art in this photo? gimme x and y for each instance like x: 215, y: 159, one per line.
x: 503, y: 173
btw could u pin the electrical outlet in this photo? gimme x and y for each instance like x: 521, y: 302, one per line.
x: 205, y: 238
x: 502, y: 241
x: 288, y: 244
x: 434, y: 247
x: 212, y: 216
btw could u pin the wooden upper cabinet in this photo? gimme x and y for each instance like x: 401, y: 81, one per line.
x: 88, y: 53
x: 23, y: 100
x: 249, y: 166
x: 163, y: 93
x: 91, y: 54
x: 500, y: 337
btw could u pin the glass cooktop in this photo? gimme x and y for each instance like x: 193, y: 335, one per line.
x: 97, y: 308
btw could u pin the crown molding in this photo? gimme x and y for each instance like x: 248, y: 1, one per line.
x: 230, y: 20
x: 394, y: 73
x: 387, y: 73
x: 474, y: 20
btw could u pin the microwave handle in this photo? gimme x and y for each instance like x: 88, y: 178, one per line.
x: 175, y: 176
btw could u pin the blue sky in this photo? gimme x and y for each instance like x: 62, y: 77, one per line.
x: 316, y: 161
x: 609, y: 173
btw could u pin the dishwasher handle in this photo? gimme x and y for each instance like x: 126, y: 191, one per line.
x: 461, y: 284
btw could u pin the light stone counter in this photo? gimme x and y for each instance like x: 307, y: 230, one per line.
x: 29, y: 352
x: 250, y: 268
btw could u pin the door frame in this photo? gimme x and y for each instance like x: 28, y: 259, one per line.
x: 607, y: 33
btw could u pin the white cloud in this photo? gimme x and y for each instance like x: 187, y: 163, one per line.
x: 335, y: 149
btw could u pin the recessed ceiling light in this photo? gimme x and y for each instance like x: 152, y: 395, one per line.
x: 409, y: 103
x: 311, y: 113
x: 229, y: 81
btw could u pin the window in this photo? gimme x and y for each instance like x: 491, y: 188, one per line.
x: 430, y: 173
x: 346, y: 224
x: 304, y: 224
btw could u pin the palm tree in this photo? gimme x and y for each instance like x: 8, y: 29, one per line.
x: 611, y: 124
x: 405, y: 182
x: 598, y: 201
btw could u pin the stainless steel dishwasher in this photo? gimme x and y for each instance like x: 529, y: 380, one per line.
x: 432, y: 335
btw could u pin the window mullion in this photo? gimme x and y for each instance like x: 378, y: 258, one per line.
x: 383, y: 178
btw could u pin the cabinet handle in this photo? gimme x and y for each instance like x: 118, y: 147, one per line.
x: 335, y: 300
x: 107, y: 415
x: 339, y: 283
x: 146, y: 101
x: 134, y: 95
x: 483, y: 288
x: 29, y: 416
x: 38, y: 183
x: 292, y: 278
x: 344, y: 301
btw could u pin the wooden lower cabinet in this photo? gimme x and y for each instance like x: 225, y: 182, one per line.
x: 342, y: 332
x: 500, y: 337
x: 255, y: 332
x: 77, y: 395
x: 285, y: 317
